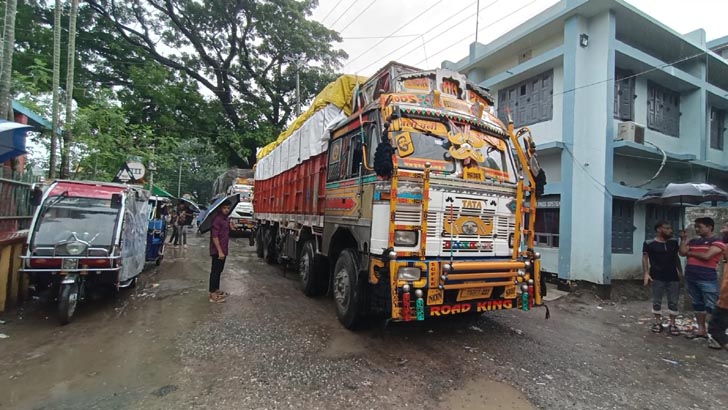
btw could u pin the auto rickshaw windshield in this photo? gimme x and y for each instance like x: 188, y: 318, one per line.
x: 92, y: 220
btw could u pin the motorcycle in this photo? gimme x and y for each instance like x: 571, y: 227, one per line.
x: 86, y: 234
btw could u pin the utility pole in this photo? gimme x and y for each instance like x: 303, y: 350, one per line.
x: 179, y: 179
x: 477, y: 18
x: 298, y: 91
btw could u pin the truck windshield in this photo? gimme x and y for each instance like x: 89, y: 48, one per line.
x: 497, y: 164
x: 93, y: 220
x: 421, y: 148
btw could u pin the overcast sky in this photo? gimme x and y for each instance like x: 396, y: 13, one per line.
x: 423, y: 33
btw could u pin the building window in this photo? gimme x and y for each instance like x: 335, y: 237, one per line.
x: 547, y: 228
x: 656, y: 213
x: 717, y: 128
x: 624, y: 95
x: 663, y: 109
x: 529, y: 101
x: 622, y: 226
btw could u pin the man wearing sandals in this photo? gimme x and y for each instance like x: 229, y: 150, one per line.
x: 661, y: 265
x: 719, y: 319
x: 219, y: 238
x: 701, y: 277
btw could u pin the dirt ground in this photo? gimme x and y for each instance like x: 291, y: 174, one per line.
x: 164, y: 346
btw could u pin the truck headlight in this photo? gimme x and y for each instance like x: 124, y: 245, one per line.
x: 408, y: 273
x: 405, y: 238
x: 75, y: 248
x: 510, y: 241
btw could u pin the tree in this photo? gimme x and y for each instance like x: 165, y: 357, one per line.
x: 242, y: 51
x: 7, y: 58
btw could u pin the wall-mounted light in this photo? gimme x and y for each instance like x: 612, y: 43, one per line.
x: 583, y: 40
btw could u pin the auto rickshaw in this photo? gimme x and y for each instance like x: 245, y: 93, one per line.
x: 86, y: 234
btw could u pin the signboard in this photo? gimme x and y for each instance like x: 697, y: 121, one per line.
x: 131, y: 171
x: 137, y: 169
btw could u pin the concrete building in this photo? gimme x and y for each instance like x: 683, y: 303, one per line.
x: 606, y: 90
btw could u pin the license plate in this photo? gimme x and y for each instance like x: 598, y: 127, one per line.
x: 476, y: 293
x: 70, y: 263
x: 510, y: 292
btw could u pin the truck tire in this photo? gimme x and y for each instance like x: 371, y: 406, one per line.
x: 67, y: 302
x: 269, y: 245
x: 349, y: 289
x: 310, y: 270
x: 259, y: 242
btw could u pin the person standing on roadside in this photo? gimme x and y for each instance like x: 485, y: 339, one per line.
x: 701, y: 277
x: 173, y: 224
x: 719, y: 319
x: 219, y: 238
x: 184, y: 219
x: 661, y: 266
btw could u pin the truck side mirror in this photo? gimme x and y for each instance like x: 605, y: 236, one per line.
x: 36, y: 196
x: 383, y: 166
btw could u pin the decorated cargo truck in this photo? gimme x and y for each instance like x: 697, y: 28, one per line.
x: 403, y: 196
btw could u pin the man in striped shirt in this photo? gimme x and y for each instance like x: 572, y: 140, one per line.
x: 701, y: 277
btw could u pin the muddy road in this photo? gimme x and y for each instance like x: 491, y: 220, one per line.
x: 164, y: 346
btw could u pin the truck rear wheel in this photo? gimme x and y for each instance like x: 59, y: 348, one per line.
x: 310, y: 270
x: 349, y: 289
x: 269, y: 244
x: 259, y: 242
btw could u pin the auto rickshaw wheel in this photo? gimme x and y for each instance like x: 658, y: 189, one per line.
x: 67, y: 302
x: 159, y: 260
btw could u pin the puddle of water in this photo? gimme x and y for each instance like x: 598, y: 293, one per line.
x: 344, y: 344
x: 485, y: 395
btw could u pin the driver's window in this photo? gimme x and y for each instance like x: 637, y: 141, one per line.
x: 334, y: 160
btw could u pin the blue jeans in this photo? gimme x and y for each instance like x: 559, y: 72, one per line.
x: 704, y: 294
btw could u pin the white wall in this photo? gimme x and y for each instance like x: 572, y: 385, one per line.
x: 500, y: 63
x: 634, y: 171
x: 549, y: 259
x: 551, y: 164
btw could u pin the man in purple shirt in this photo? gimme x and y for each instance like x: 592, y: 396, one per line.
x: 219, y: 238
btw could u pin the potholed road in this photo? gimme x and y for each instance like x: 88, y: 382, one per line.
x: 164, y: 346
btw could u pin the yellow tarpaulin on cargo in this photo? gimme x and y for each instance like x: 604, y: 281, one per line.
x: 338, y: 93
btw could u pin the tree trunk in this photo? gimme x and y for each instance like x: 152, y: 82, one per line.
x: 67, y: 136
x: 7, y: 59
x: 56, y: 92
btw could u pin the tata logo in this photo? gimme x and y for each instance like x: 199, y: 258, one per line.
x: 472, y: 204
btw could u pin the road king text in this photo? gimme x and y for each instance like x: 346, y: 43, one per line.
x: 484, y: 306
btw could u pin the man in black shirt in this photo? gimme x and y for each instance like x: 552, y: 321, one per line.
x: 661, y: 265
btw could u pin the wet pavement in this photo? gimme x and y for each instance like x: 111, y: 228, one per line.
x: 164, y: 346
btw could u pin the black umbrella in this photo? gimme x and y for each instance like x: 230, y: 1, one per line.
x: 681, y: 194
x: 684, y: 194
x: 206, y: 223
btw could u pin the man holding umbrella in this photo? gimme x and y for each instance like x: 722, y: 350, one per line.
x: 219, y: 238
x: 701, y: 277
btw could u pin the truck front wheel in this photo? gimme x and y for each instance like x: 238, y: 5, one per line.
x: 349, y: 289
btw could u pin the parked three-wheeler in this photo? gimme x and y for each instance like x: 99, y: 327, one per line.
x: 86, y: 234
